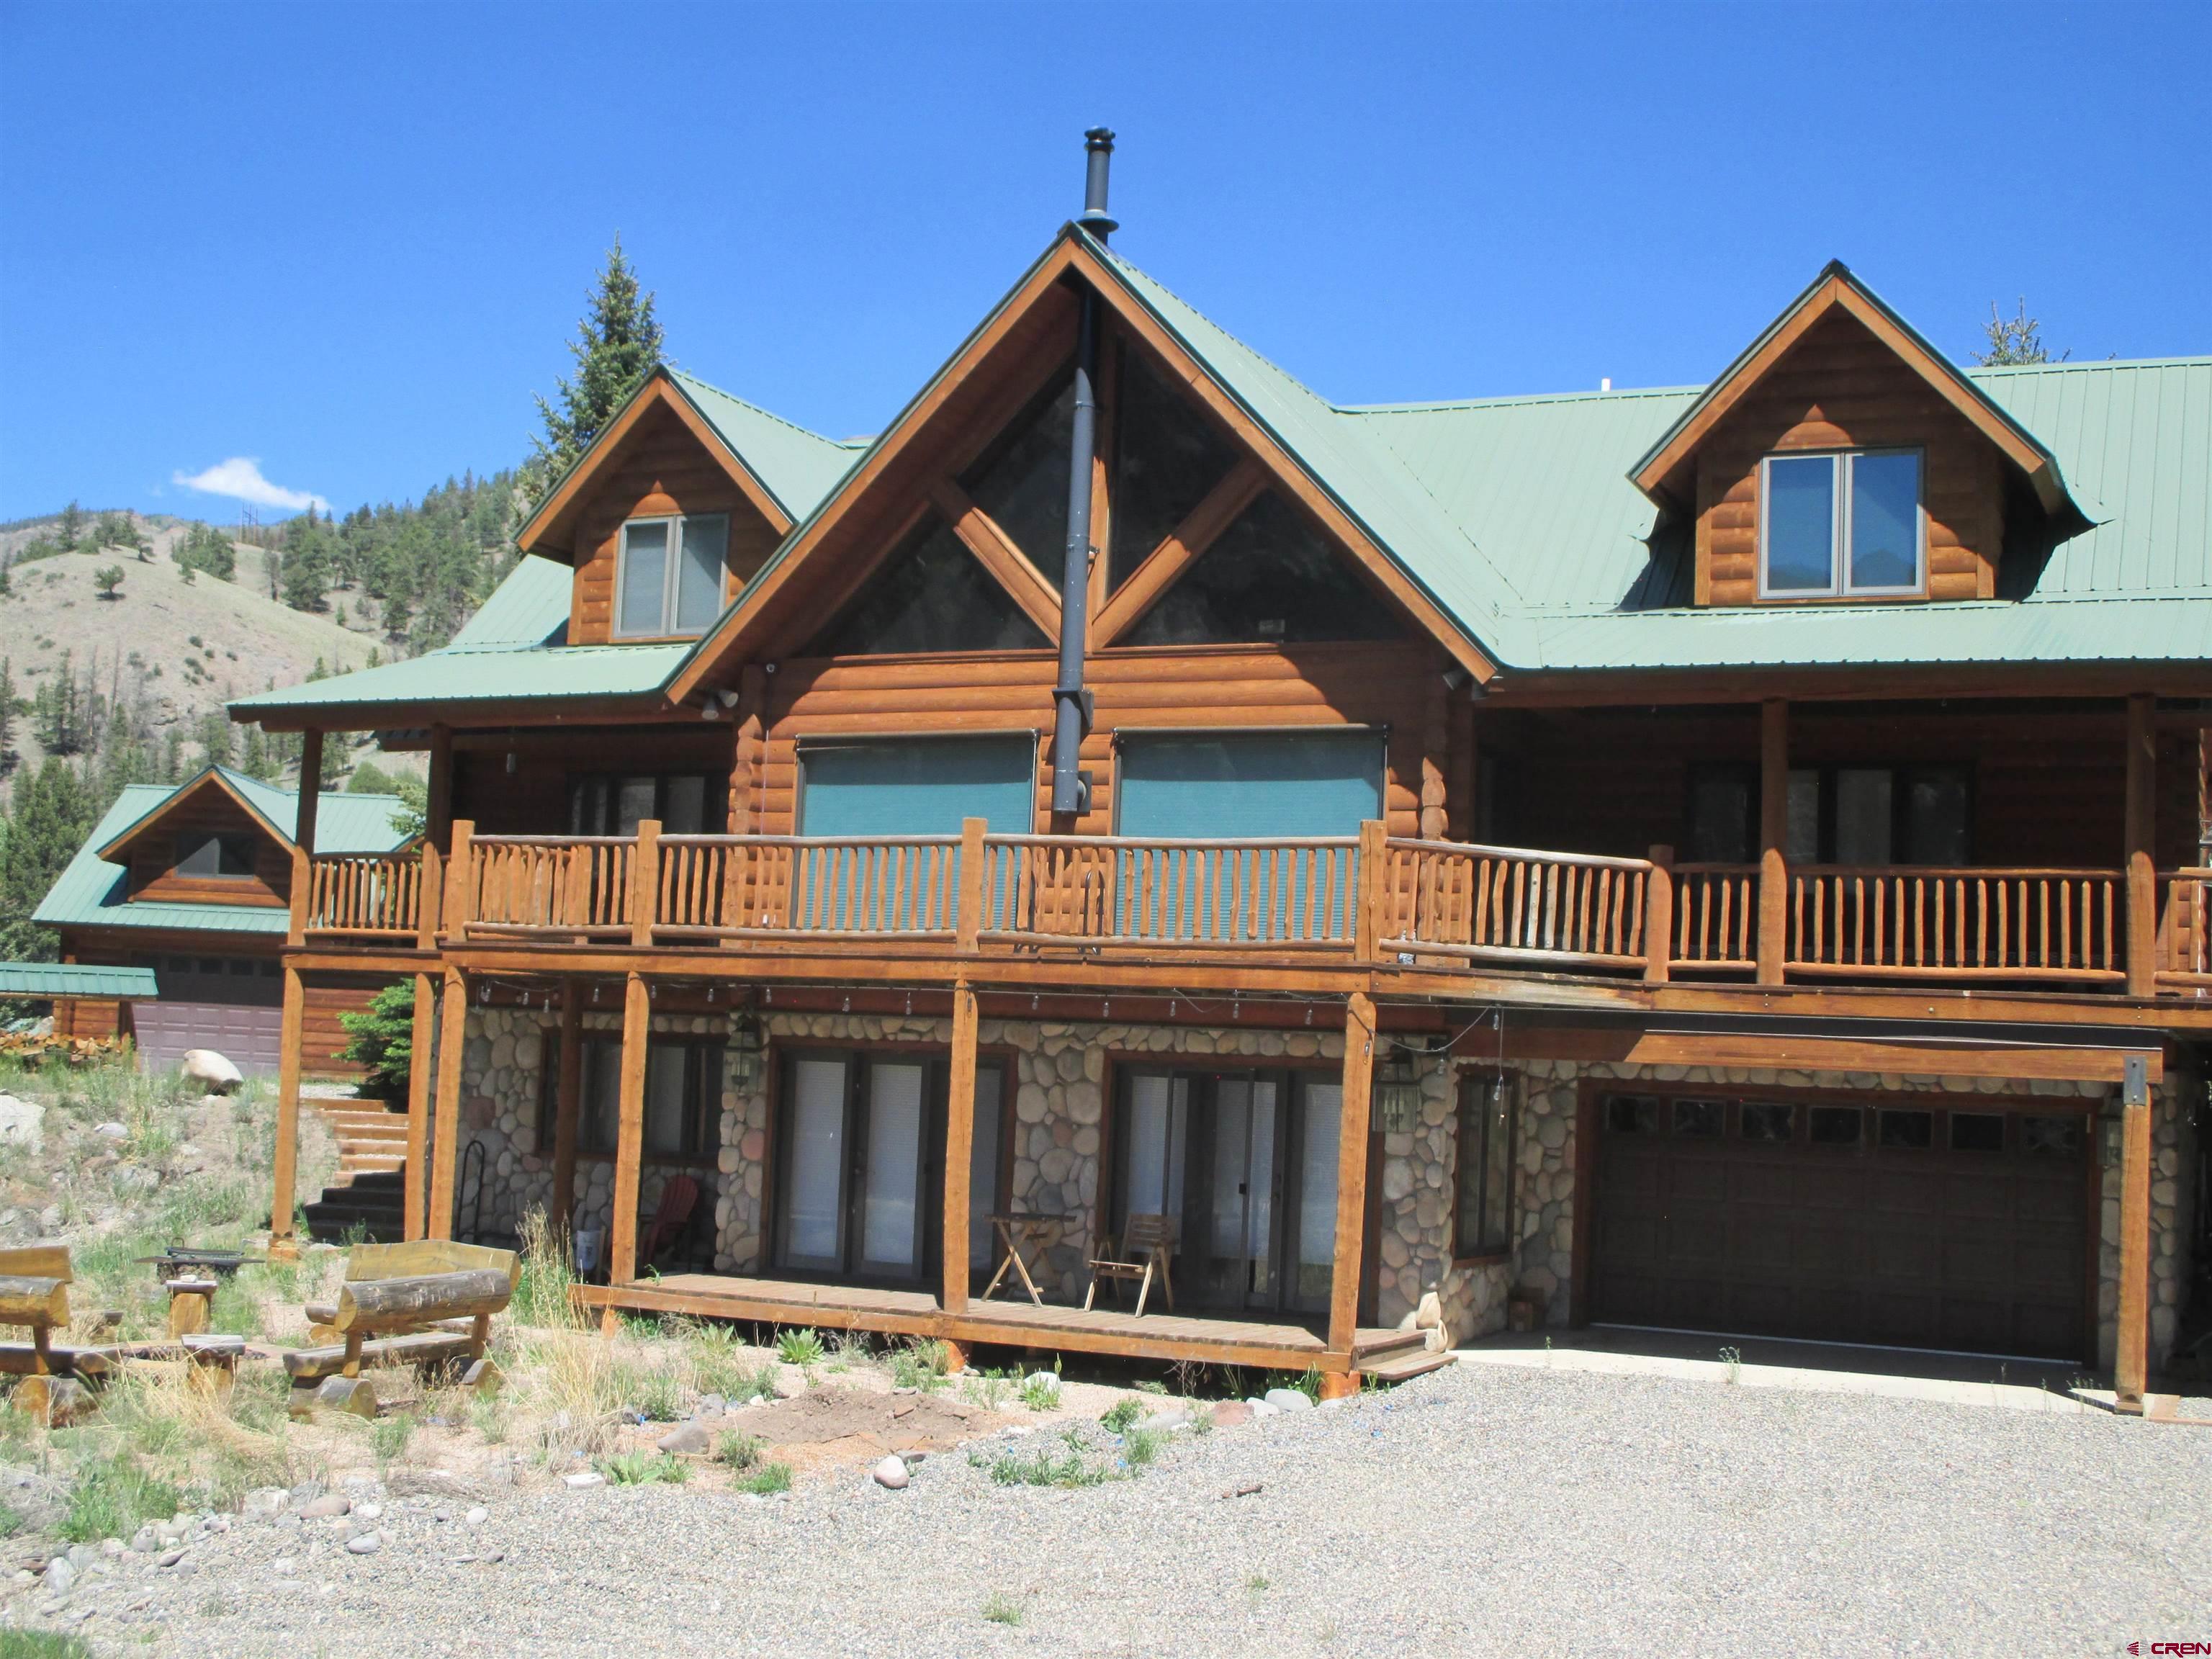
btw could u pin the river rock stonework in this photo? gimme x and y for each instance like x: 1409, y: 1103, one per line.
x: 1543, y: 1261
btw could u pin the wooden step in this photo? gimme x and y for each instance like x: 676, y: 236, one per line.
x: 1398, y: 1367
x: 1381, y: 1345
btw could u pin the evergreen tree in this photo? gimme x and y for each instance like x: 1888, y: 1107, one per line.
x: 618, y: 343
x: 108, y: 578
x: 205, y: 548
x: 72, y: 526
x: 2013, y: 340
x: 381, y: 1040
x: 50, y: 815
x: 254, y: 758
x: 10, y: 705
x: 59, y: 718
x: 216, y: 737
x: 308, y: 566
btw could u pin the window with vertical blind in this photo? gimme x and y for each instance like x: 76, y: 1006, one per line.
x: 668, y: 575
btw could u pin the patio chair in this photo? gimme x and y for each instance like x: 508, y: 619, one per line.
x: 1147, y: 1243
x: 678, y: 1198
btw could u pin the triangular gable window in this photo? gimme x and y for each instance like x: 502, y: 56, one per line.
x: 930, y: 594
x: 1270, y: 576
x: 1021, y: 480
x: 1166, y: 457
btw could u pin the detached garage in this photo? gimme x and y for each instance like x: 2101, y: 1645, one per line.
x: 1898, y: 1222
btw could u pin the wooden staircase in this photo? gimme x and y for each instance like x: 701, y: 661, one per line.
x: 1395, y: 1356
x: 368, y: 1192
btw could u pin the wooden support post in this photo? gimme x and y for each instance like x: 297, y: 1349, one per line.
x: 438, y: 808
x: 1659, y: 916
x: 630, y: 1137
x: 970, y: 922
x: 2141, y: 819
x: 421, y: 1078
x: 1368, y: 889
x: 568, y: 1110
x: 1351, y: 1171
x: 645, y: 883
x: 2131, y: 1352
x: 284, y: 1173
x: 453, y: 1038
x: 1773, y: 832
x: 295, y: 918
x: 1436, y: 752
x: 959, y: 1149
x: 311, y: 789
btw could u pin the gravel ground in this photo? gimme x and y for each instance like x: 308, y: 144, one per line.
x: 1479, y: 1509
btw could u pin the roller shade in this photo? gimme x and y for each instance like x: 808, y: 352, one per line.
x: 1275, y: 783
x: 917, y: 786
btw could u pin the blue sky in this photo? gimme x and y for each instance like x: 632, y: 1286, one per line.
x: 347, y: 243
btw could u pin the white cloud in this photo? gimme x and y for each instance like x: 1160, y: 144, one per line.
x: 240, y: 478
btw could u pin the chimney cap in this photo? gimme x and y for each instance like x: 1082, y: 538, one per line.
x: 1098, y: 153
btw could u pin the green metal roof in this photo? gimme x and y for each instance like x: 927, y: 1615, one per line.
x: 796, y: 466
x: 73, y: 978
x: 1518, y: 518
x: 90, y: 891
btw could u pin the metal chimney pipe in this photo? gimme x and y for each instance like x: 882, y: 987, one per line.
x: 1072, y: 704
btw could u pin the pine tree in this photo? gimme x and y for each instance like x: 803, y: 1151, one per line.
x: 2014, y: 340
x: 50, y: 815
x: 72, y: 526
x: 10, y: 705
x: 307, y: 564
x: 216, y: 737
x: 617, y: 344
x: 58, y: 718
x: 254, y: 758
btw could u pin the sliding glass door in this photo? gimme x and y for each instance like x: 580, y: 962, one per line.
x: 860, y: 1168
x: 1245, y: 1161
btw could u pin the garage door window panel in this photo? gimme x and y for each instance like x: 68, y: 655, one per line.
x: 1835, y: 1125
x: 1768, y: 1121
x: 1978, y: 1132
x: 1907, y: 1131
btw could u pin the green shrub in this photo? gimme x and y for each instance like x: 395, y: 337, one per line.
x: 766, y: 1480
x: 388, y: 1436
x: 1002, y: 1609
x: 42, y: 1644
x: 800, y: 1347
x: 1041, y: 1468
x: 1122, y: 1416
x: 1140, y: 1446
x: 737, y: 1449
x: 111, y: 1497
x: 642, y: 1468
x: 380, y: 1039
x: 1041, y: 1391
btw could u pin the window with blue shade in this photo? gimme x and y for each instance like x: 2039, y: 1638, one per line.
x: 670, y: 579
x: 1840, y: 524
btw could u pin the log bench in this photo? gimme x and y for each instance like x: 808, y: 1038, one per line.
x: 426, y: 1303
x: 35, y: 1281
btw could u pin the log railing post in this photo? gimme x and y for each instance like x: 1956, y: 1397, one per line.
x: 421, y: 1078
x: 1773, y: 832
x: 1659, y: 916
x: 303, y: 877
x: 460, y: 881
x: 959, y: 1149
x: 1352, y: 1172
x: 284, y: 1172
x: 429, y: 897
x: 2142, y: 806
x: 446, y: 1152
x: 1371, y: 893
x: 630, y: 1134
x: 972, y: 887
x: 645, y: 883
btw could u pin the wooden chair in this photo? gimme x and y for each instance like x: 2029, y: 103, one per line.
x: 680, y: 1196
x: 1147, y: 1243
x: 429, y: 1302
x: 34, y: 1283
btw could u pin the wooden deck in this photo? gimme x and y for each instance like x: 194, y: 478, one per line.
x: 1283, y: 1345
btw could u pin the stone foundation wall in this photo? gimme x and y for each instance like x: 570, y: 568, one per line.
x: 1543, y: 1261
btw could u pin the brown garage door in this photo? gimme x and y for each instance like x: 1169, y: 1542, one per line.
x: 1909, y: 1225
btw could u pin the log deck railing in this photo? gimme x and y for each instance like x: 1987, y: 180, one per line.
x: 1373, y: 898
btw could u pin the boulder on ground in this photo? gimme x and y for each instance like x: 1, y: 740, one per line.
x: 212, y: 1071
x: 22, y: 1122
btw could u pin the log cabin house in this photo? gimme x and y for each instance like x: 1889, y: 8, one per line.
x: 194, y: 883
x: 1723, y: 858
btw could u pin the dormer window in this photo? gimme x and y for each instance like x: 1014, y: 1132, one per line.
x: 671, y: 576
x: 215, y: 855
x: 1840, y: 524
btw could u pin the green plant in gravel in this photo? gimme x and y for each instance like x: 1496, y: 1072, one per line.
x: 918, y: 1365
x: 848, y: 1348
x: 42, y: 1644
x: 1122, y: 1416
x: 112, y: 1495
x: 1309, y: 1384
x: 388, y: 1436
x: 1257, y: 1582
x: 488, y: 1415
x: 766, y: 1480
x: 1041, y: 1468
x: 738, y: 1450
x: 660, y: 1394
x: 1041, y: 1391
x: 800, y: 1347
x: 990, y: 1390
x: 1733, y: 1359
x: 642, y: 1468
x: 541, y: 1295
x: 1152, y: 1385
x: 1002, y: 1609
x: 1140, y: 1446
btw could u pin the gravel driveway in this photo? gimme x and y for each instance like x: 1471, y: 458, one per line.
x: 1479, y: 1510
